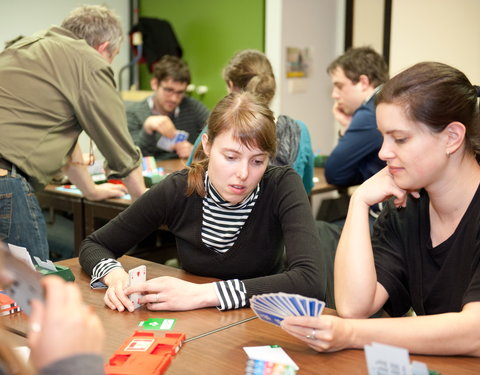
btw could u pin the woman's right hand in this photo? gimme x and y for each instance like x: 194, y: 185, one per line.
x: 379, y: 188
x: 62, y: 326
x: 115, y: 298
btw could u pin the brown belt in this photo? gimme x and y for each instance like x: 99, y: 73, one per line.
x: 5, y: 164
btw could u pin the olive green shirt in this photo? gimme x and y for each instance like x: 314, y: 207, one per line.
x: 52, y: 86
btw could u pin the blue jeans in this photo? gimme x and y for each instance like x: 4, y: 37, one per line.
x: 21, y: 219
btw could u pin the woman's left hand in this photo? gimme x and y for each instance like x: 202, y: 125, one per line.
x: 325, y: 333
x: 170, y: 293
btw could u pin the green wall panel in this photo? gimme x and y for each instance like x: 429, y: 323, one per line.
x: 210, y: 32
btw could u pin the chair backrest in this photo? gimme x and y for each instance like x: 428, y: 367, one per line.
x: 135, y: 96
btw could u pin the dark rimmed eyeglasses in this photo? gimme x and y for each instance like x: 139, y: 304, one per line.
x: 171, y: 91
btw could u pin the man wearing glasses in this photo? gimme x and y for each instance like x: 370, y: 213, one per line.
x: 167, y: 111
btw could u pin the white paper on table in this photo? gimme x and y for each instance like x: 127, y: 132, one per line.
x: 21, y: 253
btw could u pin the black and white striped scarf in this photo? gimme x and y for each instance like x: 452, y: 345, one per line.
x: 223, y: 221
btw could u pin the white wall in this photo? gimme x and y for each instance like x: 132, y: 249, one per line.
x: 26, y: 17
x: 445, y: 31
x: 368, y: 24
x: 319, y: 26
x: 309, y: 24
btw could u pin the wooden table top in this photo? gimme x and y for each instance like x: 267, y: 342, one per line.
x: 223, y: 352
x: 215, y: 339
x: 120, y: 325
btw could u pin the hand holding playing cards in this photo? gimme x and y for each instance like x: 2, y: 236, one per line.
x: 325, y: 333
x: 115, y: 298
x: 170, y: 293
x: 160, y: 124
x: 300, y: 316
x: 62, y: 326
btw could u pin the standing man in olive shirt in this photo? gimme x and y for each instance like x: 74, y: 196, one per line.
x: 53, y: 86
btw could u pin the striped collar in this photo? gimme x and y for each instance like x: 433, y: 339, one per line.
x: 217, y: 199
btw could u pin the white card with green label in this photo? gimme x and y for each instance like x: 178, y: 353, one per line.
x: 158, y: 324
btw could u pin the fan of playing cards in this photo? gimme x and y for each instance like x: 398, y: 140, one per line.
x: 274, y: 307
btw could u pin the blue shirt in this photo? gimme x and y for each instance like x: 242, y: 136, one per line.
x: 355, y: 158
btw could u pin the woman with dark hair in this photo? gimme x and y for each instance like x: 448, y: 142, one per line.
x: 424, y: 254
x: 233, y: 216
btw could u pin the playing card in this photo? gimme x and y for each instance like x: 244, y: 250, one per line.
x: 386, y: 359
x: 167, y: 144
x: 282, y: 302
x: 157, y: 324
x: 265, y: 306
x: 273, y: 355
x: 296, y: 303
x: 272, y: 303
x: 21, y: 253
x: 181, y: 136
x: 270, y: 318
x: 274, y: 307
x: 21, y: 282
x: 136, y: 276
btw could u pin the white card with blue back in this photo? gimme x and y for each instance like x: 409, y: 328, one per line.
x: 167, y: 144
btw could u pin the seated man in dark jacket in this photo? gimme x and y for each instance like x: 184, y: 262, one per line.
x: 356, y: 77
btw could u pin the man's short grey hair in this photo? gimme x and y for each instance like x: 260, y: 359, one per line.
x: 96, y: 24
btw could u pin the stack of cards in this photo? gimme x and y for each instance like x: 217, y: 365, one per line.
x: 269, y: 359
x: 137, y: 275
x: 274, y: 307
x: 167, y: 144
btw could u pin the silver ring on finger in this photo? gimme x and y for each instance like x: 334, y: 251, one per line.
x: 312, y: 335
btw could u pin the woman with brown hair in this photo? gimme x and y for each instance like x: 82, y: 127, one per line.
x: 233, y: 215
